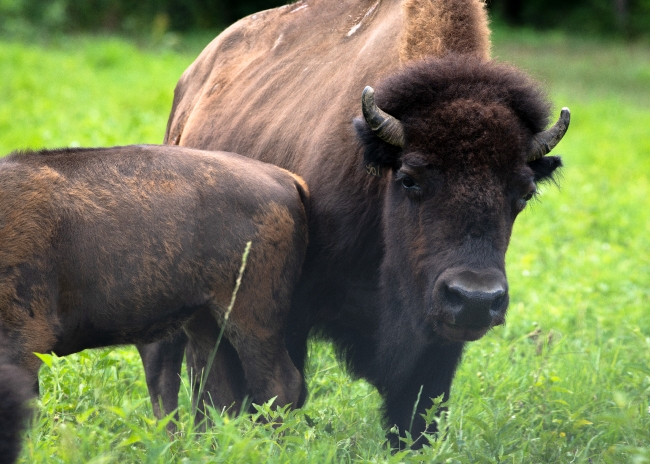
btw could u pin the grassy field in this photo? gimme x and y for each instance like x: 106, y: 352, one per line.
x: 568, y: 378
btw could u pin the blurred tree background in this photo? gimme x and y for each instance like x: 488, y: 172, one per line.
x: 125, y: 15
x: 624, y: 18
x: 627, y: 18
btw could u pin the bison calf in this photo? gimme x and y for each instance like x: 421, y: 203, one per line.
x: 125, y: 245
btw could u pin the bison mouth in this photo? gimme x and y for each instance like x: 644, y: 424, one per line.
x: 460, y: 333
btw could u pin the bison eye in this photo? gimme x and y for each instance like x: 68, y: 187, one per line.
x: 521, y: 203
x: 409, y: 183
x: 528, y: 196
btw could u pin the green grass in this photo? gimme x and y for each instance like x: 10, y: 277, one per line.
x: 566, y: 380
x: 87, y: 91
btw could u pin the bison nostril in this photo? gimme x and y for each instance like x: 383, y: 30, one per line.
x: 453, y: 297
x: 497, y: 304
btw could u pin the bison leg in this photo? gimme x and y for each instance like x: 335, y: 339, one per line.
x: 17, y: 385
x: 256, y: 371
x: 256, y: 331
x: 162, y: 362
x: 14, y: 394
x: 296, y: 344
x: 224, y: 385
x: 430, y: 378
x: 269, y: 371
x: 260, y: 369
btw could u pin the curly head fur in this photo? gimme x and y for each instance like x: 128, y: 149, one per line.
x: 457, y: 101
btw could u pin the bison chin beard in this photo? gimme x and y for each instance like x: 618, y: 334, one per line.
x: 413, y: 366
x: 405, y: 336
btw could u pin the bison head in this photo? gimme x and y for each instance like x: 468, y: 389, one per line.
x: 461, y: 145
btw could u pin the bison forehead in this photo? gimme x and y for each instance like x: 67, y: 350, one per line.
x: 436, y: 84
x: 466, y: 135
x: 478, y: 196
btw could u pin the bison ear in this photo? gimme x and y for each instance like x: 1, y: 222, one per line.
x: 376, y: 152
x: 545, y: 168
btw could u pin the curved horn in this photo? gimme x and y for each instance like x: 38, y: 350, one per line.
x: 544, y: 142
x: 387, y: 127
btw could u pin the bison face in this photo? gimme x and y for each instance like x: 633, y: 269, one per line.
x: 446, y: 230
x: 461, y: 161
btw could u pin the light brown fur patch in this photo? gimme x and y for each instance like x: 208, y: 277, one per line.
x: 22, y: 235
x: 437, y: 27
x: 300, y: 181
x: 265, y: 271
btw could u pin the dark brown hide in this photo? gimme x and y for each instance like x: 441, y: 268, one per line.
x: 125, y: 245
x: 15, y: 390
x: 401, y: 270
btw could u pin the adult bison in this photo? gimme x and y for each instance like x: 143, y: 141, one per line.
x: 412, y: 205
x: 123, y: 245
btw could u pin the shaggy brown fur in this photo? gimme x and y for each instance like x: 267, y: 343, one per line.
x: 430, y: 95
x: 437, y: 27
x: 126, y: 245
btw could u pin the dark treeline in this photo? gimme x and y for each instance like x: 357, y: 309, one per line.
x: 128, y: 15
x: 181, y: 15
x: 628, y: 18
